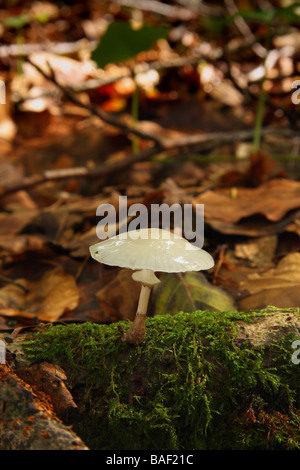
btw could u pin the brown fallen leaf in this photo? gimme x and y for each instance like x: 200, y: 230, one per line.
x: 19, y: 244
x: 13, y: 223
x: 47, y: 299
x: 261, y: 168
x: 256, y: 226
x: 79, y: 244
x: 272, y: 200
x: 119, y: 298
x: 174, y: 194
x: 50, y: 379
x: 257, y: 252
x: 221, y: 89
x: 69, y: 72
x: 279, y: 286
x: 8, y: 127
x: 27, y: 418
x: 288, y: 296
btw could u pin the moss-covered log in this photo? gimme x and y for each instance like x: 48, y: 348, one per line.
x: 199, y: 381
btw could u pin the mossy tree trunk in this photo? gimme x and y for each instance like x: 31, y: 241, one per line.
x: 199, y: 381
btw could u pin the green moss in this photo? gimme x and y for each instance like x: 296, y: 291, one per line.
x: 188, y: 386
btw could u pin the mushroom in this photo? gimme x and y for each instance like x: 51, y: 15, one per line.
x: 146, y: 251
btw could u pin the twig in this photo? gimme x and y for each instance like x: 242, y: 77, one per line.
x: 203, y: 8
x: 93, y: 110
x: 160, y: 8
x: 174, y: 62
x: 160, y: 144
x: 165, y: 145
x: 244, y: 29
x: 79, y: 172
x: 220, y: 137
x: 60, y: 48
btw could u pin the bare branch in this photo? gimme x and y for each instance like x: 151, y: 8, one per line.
x: 96, y: 111
x: 218, y: 138
x: 244, y: 29
x: 189, y: 141
x: 160, y: 8
x: 79, y: 172
x: 59, y: 48
x: 160, y: 144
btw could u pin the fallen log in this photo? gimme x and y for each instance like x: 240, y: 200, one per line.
x: 202, y: 380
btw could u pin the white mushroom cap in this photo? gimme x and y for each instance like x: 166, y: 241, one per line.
x: 154, y: 248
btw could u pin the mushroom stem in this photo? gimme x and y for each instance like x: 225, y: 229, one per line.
x: 137, y: 331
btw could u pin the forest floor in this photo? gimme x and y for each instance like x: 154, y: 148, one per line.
x: 208, y: 115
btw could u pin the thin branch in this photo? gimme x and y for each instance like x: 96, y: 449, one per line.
x: 59, y: 48
x: 195, y: 56
x: 244, y: 29
x: 218, y: 138
x: 93, y: 110
x: 160, y: 8
x: 160, y: 145
x: 174, y: 62
x: 190, y: 141
x: 79, y: 172
x: 203, y: 8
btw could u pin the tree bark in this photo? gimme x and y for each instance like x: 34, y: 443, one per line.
x: 27, y: 418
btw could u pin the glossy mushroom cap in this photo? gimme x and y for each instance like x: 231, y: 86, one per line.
x: 155, y: 249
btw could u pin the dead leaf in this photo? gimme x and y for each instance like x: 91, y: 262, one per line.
x: 13, y: 223
x: 30, y: 422
x: 68, y: 72
x: 272, y: 200
x: 286, y: 297
x: 50, y: 379
x: 119, y: 298
x: 261, y: 168
x: 174, y: 194
x: 20, y: 244
x: 279, y: 286
x: 8, y: 127
x: 79, y: 245
x: 291, y: 39
x: 47, y: 299
x: 257, y: 252
x: 221, y: 89
x: 252, y: 226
